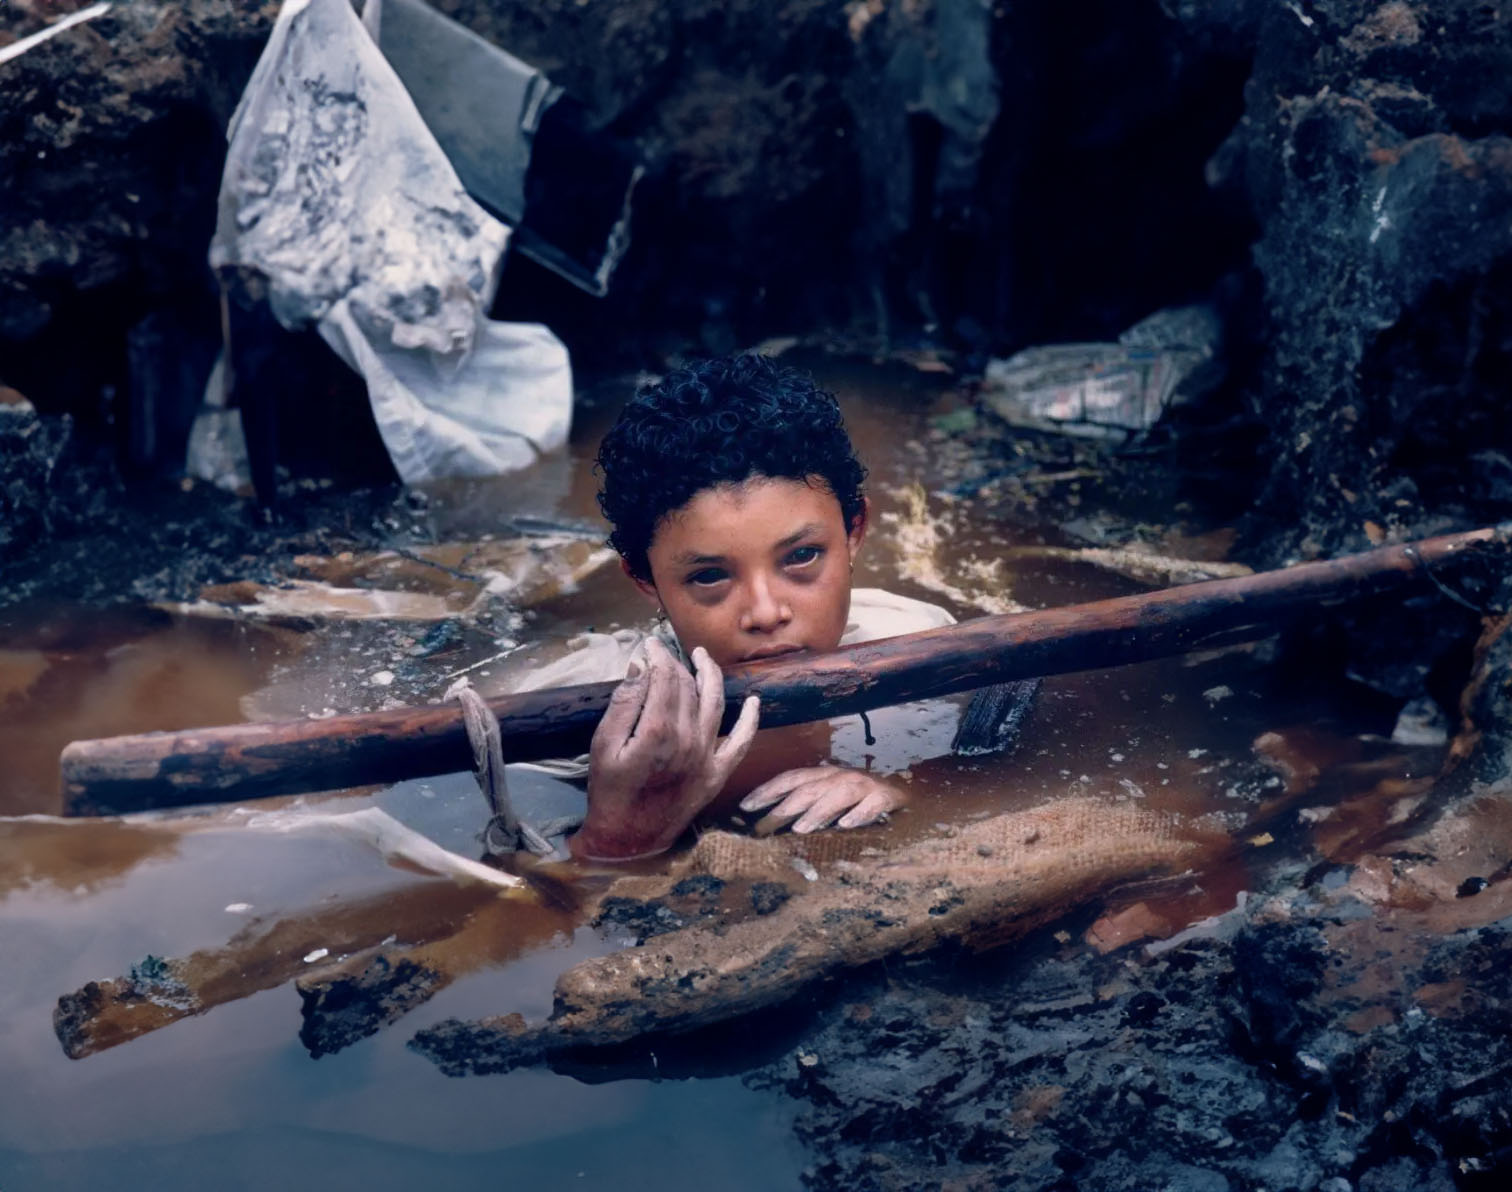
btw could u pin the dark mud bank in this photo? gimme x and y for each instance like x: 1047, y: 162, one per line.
x: 1335, y: 175
x: 1220, y: 1064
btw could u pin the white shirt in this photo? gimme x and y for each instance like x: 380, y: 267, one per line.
x: 874, y: 614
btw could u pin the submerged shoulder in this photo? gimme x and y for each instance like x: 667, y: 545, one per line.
x: 587, y: 658
x: 876, y: 613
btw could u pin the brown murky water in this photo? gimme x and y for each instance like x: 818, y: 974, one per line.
x: 230, y: 1098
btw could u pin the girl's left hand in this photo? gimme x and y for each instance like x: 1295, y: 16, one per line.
x: 816, y: 795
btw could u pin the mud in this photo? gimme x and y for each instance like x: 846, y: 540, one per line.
x: 1244, y: 1063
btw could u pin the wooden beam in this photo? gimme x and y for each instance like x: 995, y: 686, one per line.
x: 251, y: 761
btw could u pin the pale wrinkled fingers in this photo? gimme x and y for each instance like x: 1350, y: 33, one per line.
x: 775, y: 788
x: 729, y: 752
x: 619, y: 720
x: 687, y: 696
x: 711, y: 701
x: 873, y: 808
x: 796, y: 804
x: 680, y: 693
x: 837, y: 798
x: 657, y: 717
x: 691, y: 749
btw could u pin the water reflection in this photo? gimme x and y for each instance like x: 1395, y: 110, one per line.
x: 71, y: 674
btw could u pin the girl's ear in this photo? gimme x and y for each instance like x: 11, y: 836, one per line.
x: 646, y: 587
x: 857, y: 533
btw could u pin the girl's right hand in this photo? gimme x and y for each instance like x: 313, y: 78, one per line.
x: 657, y: 760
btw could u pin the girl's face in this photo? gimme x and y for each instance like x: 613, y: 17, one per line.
x: 755, y: 569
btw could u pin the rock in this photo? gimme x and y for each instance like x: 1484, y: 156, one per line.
x: 30, y: 448
x: 1370, y: 154
x: 112, y: 155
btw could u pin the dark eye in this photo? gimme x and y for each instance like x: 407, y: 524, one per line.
x: 804, y: 554
x: 707, y: 578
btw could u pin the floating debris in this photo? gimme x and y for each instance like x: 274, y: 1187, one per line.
x: 1105, y: 390
x: 1136, y: 562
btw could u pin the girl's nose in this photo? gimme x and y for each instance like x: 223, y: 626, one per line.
x: 765, y: 610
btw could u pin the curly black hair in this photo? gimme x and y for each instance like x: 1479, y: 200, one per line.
x: 714, y: 422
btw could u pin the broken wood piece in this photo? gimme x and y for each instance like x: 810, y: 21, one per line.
x: 251, y: 761
x: 160, y: 991
x: 988, y: 884
x: 429, y: 583
x: 994, y: 718
x: 22, y: 45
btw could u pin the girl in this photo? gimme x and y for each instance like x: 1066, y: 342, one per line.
x: 735, y: 497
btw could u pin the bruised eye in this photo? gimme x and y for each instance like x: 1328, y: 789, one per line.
x: 803, y: 555
x: 707, y: 578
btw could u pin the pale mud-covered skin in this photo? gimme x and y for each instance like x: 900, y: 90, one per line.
x: 984, y: 885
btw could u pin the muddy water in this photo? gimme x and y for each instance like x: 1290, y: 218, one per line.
x: 231, y: 1097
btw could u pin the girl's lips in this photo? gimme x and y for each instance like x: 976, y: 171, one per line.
x: 770, y: 652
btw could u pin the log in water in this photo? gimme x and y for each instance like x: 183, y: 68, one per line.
x: 251, y: 761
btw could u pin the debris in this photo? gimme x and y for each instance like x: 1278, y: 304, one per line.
x: 430, y: 583
x: 924, y: 360
x: 920, y: 896
x: 776, y: 345
x: 918, y: 535
x: 1421, y: 722
x: 505, y: 833
x: 994, y: 718
x: 520, y: 146
x: 31, y: 448
x: 17, y: 48
x: 956, y: 422
x: 1136, y: 562
x: 391, y: 839
x: 297, y: 602
x: 261, y: 955
x: 1216, y: 927
x: 217, y: 443
x: 1108, y: 390
x: 339, y: 205
x: 1136, y: 922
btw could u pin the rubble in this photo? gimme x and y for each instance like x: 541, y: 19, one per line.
x: 423, y: 583
x: 1109, y: 390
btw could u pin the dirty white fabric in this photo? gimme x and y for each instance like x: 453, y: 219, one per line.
x: 874, y: 614
x: 393, y: 840
x: 336, y: 191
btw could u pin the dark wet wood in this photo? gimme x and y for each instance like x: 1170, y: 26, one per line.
x: 250, y: 761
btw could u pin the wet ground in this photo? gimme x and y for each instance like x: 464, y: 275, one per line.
x: 483, y: 578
